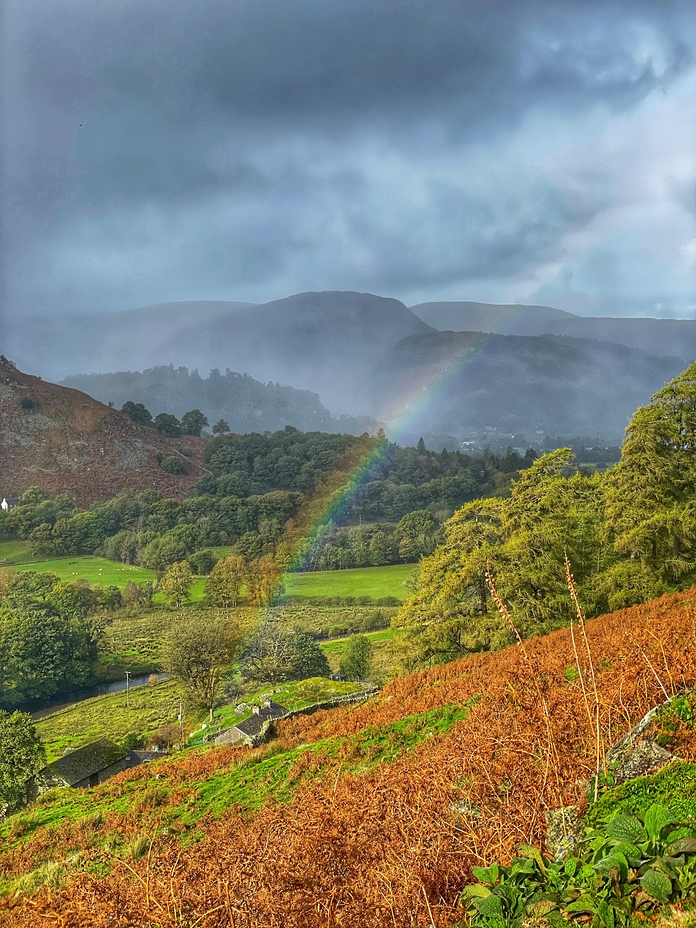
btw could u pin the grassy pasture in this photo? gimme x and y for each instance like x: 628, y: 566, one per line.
x: 362, y: 581
x: 147, y: 709
x: 376, y: 582
x: 13, y: 553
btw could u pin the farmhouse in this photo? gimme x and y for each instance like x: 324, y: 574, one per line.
x: 88, y: 766
x: 8, y: 502
x: 254, y: 728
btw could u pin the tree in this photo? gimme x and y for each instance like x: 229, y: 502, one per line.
x: 132, y: 593
x: 176, y: 583
x: 173, y: 465
x: 225, y: 581
x: 263, y: 579
x: 21, y: 756
x: 523, y: 539
x: 193, y: 422
x: 651, y: 495
x: 275, y: 655
x: 357, y: 657
x: 167, y: 424
x: 202, y: 562
x: 42, y: 654
x: 418, y: 534
x: 221, y: 427
x: 199, y: 653
x: 137, y: 412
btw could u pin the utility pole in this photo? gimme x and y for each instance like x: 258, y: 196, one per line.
x: 128, y: 676
x: 181, y: 723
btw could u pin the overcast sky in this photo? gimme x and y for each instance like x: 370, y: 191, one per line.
x: 538, y: 151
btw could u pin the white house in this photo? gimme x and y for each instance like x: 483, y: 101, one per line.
x: 8, y: 504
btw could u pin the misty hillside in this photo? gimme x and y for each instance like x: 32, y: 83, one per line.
x: 66, y: 442
x: 454, y: 381
x: 676, y: 337
x: 324, y: 342
x: 243, y: 402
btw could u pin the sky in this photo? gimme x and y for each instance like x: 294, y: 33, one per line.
x: 534, y: 151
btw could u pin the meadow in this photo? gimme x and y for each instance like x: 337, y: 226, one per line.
x: 17, y: 554
x: 143, y: 711
x: 377, y: 582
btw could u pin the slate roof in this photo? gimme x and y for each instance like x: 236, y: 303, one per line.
x: 80, y: 764
x: 252, y: 726
x: 273, y: 710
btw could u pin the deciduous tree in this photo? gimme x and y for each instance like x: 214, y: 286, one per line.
x: 21, y: 756
x: 199, y: 653
x: 176, y: 583
x: 225, y: 581
x: 357, y: 658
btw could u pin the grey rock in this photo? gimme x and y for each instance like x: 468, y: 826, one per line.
x: 564, y: 831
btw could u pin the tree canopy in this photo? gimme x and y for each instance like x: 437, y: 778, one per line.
x: 199, y: 653
x: 21, y: 756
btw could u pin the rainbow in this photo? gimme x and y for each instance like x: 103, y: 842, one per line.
x: 333, y: 503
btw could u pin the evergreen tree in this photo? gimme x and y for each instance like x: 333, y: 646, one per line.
x: 651, y: 493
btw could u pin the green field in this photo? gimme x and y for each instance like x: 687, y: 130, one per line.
x: 17, y: 554
x: 376, y: 582
x: 146, y: 710
x: 14, y: 553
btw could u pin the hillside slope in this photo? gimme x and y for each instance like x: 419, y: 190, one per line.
x: 368, y: 816
x: 246, y: 404
x: 675, y: 337
x: 65, y: 442
x: 322, y: 341
x: 454, y: 381
x: 325, y: 341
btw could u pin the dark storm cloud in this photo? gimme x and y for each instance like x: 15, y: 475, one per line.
x: 161, y: 150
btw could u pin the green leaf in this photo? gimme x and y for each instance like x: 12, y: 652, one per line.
x: 615, y: 859
x: 476, y: 890
x: 606, y: 914
x: 527, y: 850
x: 631, y: 852
x: 681, y: 846
x: 585, y: 903
x: 657, y: 884
x: 489, y: 906
x: 487, y: 874
x: 656, y: 818
x: 626, y: 828
x: 555, y: 919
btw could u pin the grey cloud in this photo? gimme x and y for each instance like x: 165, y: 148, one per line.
x: 161, y: 150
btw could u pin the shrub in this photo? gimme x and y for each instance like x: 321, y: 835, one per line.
x: 173, y: 465
x: 27, y: 402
